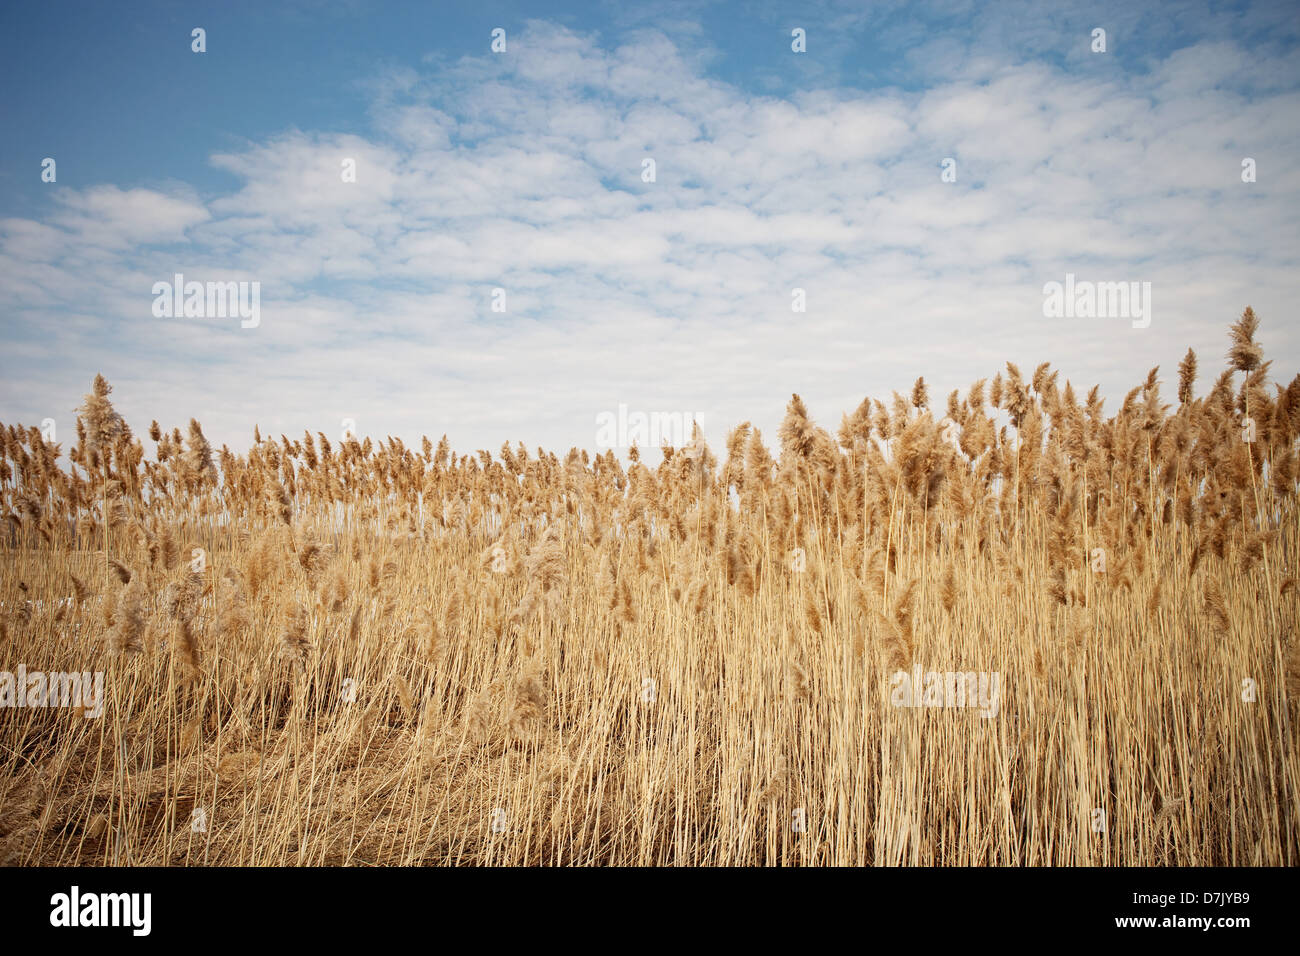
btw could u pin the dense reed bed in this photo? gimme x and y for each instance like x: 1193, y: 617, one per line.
x: 358, y: 653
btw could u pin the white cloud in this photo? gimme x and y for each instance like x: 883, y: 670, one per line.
x: 524, y: 172
x: 113, y: 218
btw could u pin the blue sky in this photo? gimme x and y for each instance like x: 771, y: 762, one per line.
x: 522, y: 171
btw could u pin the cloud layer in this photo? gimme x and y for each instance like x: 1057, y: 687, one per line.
x: 523, y: 172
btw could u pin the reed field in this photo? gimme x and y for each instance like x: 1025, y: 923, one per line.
x: 360, y: 653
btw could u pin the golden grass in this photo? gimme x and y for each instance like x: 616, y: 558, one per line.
x: 365, y: 655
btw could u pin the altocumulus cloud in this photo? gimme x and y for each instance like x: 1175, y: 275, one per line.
x: 523, y: 172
